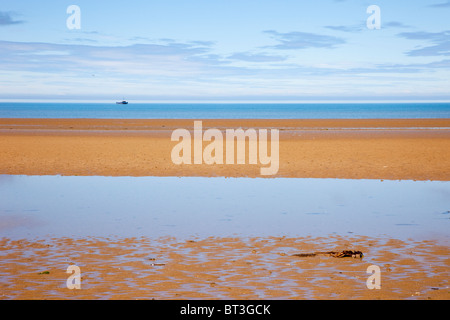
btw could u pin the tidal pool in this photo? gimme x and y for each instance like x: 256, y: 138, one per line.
x: 33, y: 207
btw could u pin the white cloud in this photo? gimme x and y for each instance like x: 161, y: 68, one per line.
x: 7, y: 18
x: 303, y: 40
x: 440, y: 43
x: 176, y: 69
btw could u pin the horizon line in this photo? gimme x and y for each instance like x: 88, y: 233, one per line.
x: 224, y: 101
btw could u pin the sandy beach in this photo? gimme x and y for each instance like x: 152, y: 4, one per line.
x: 225, y: 268
x: 407, y: 149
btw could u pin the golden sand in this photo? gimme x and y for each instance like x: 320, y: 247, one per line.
x: 417, y: 149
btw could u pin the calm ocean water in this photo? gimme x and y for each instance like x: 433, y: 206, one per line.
x: 225, y: 110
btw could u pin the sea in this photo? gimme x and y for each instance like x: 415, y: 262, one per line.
x: 132, y: 110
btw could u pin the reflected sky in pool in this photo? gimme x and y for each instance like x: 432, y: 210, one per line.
x: 59, y: 206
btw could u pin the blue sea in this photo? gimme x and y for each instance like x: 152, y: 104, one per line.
x: 225, y: 110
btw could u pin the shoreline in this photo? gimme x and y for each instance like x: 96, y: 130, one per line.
x: 89, y: 123
x: 388, y: 149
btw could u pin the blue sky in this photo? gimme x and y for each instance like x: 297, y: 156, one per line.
x: 225, y: 50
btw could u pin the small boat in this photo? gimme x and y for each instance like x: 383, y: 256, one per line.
x: 122, y: 102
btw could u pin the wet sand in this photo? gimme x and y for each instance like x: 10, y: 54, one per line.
x: 407, y: 149
x: 225, y: 268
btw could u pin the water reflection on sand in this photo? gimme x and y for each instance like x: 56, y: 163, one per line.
x: 67, y: 206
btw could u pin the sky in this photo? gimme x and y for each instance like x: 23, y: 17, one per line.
x: 225, y: 50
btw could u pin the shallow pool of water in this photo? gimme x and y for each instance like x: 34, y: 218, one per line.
x: 67, y: 206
